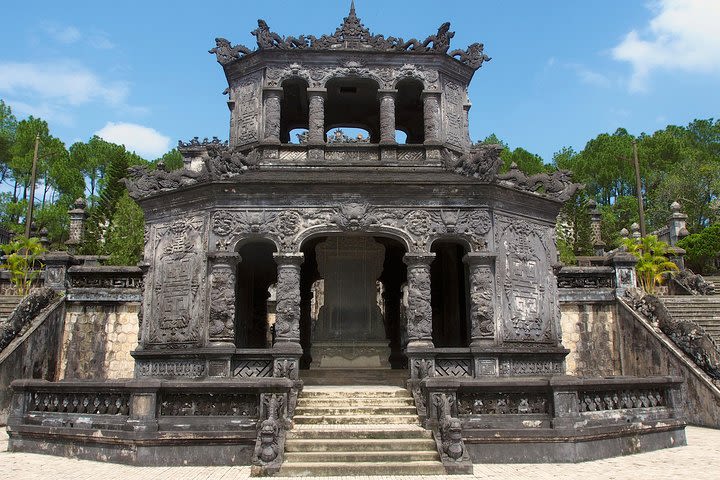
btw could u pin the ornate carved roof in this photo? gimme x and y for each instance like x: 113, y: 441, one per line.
x: 352, y: 35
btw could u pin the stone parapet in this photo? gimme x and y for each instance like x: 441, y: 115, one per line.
x: 144, y: 422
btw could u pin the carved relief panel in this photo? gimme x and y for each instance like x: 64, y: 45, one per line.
x: 175, y: 290
x: 526, y: 282
x: 247, y: 95
x: 454, y: 114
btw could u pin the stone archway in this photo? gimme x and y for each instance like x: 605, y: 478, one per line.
x: 351, y: 289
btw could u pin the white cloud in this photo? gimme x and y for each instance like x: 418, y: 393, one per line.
x: 588, y: 76
x: 66, y: 82
x: 60, y: 33
x: 145, y: 141
x: 683, y: 35
x: 44, y: 110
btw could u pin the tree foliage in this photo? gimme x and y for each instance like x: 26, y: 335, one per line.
x: 653, y: 264
x: 22, y: 260
x: 701, y: 249
x: 125, y: 237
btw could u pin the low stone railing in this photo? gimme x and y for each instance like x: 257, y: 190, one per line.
x: 596, y: 283
x: 101, y: 283
x: 200, y: 422
x: 349, y: 153
x: 520, y: 411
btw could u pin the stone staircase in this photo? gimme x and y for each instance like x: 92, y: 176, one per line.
x: 7, y: 305
x: 703, y: 309
x: 715, y: 281
x: 358, y: 430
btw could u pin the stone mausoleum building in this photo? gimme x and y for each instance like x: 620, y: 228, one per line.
x: 295, y: 253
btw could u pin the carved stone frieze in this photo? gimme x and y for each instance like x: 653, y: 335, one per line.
x: 169, y: 368
x: 520, y: 367
x: 593, y: 401
x: 208, y: 404
x: 248, y: 103
x: 453, y: 367
x: 88, y: 403
x: 498, y: 403
x: 418, y: 226
x: 248, y: 368
x: 453, y: 101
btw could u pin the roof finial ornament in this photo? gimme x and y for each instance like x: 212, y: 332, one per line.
x: 352, y: 8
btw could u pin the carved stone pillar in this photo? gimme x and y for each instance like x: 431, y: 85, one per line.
x: 596, y: 228
x: 316, y: 121
x: 287, y: 293
x: 272, y: 96
x: 221, y: 322
x: 431, y: 114
x: 387, y: 116
x: 78, y: 215
x: 419, y: 310
x: 482, y: 295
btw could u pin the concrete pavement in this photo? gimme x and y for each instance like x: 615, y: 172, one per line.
x: 698, y: 461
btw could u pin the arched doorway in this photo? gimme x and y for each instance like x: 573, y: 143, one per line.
x: 449, y: 295
x: 351, y: 290
x: 254, y: 312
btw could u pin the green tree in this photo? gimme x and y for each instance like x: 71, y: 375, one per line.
x: 173, y: 160
x: 8, y: 126
x: 653, y: 264
x: 701, y: 249
x: 125, y: 239
x: 23, y: 262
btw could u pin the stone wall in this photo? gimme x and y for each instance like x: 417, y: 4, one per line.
x: 97, y: 341
x: 590, y: 332
x: 34, y: 354
x: 647, y: 351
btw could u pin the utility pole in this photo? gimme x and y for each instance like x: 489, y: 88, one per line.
x: 31, y: 203
x: 638, y: 190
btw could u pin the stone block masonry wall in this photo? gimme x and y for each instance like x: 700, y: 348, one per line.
x: 590, y: 332
x: 98, y: 339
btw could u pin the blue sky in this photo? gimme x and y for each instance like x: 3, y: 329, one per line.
x: 562, y: 72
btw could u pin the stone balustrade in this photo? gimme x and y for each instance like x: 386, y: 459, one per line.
x: 148, y: 420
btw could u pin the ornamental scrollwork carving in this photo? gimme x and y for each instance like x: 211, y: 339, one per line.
x: 420, y: 226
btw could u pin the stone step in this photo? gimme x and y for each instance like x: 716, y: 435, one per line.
x: 355, y: 410
x: 360, y: 445
x: 355, y: 392
x: 324, y: 469
x: 355, y: 401
x: 377, y: 432
x: 356, y: 419
x: 362, y: 456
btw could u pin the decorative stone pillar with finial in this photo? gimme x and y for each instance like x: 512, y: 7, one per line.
x: 77, y: 225
x: 677, y: 224
x: 635, y: 229
x: 596, y: 228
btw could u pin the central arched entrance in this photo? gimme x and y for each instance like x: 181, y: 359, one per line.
x: 351, y: 292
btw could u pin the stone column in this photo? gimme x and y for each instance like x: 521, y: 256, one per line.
x: 221, y: 324
x: 431, y: 114
x: 624, y: 264
x: 387, y: 116
x: 596, y: 228
x: 677, y: 224
x: 287, y: 293
x: 77, y: 225
x: 316, y: 122
x: 419, y: 310
x: 272, y: 96
x: 482, y: 295
x: 56, y: 268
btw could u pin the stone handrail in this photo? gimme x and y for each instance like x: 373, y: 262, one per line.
x: 104, y: 283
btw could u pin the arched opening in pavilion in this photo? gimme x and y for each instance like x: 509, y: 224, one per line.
x: 254, y: 294
x: 449, y: 295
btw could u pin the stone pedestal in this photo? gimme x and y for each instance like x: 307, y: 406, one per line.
x: 350, y: 331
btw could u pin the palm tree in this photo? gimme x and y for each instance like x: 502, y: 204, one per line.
x: 653, y: 262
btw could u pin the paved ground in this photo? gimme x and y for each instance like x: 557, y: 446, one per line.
x: 699, y: 460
